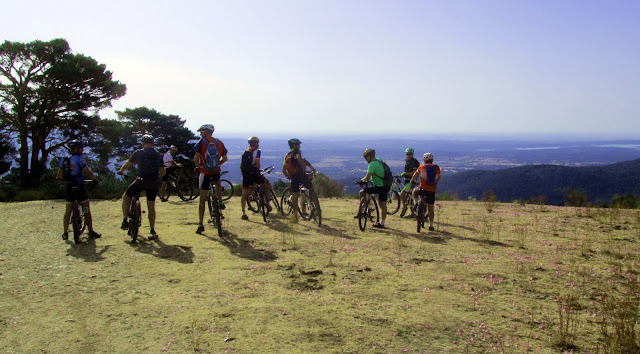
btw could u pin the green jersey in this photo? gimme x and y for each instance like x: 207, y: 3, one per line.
x: 377, y: 172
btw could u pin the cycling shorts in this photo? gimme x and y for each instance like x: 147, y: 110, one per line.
x: 204, y: 181
x: 168, y: 171
x: 150, y: 186
x: 297, y: 180
x: 382, y: 192
x: 430, y: 196
x: 80, y: 195
x: 249, y: 180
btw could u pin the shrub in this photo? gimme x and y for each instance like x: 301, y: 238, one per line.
x: 326, y: 187
x: 575, y: 198
x: 489, y: 200
x: 28, y: 195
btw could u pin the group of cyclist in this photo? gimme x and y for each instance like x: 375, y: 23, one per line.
x: 429, y: 175
x: 154, y: 169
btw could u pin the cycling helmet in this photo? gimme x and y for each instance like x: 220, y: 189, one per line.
x: 367, y: 152
x: 409, y: 151
x: 147, y: 139
x: 207, y: 127
x: 427, y: 156
x: 294, y: 141
x: 173, y: 148
x: 75, y: 143
x: 253, y: 138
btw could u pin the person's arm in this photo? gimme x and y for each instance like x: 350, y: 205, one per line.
x: 414, y: 178
x: 256, y: 163
x: 223, y: 159
x: 87, y: 172
x: 284, y: 171
x: 367, y: 178
x: 163, y: 171
x: 302, y: 162
x: 310, y: 166
x: 125, y: 167
x: 196, y: 159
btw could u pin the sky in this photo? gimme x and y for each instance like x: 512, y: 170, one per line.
x: 411, y: 68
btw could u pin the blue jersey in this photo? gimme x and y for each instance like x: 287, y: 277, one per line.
x: 76, y: 165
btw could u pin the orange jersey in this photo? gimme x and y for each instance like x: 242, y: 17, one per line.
x: 422, y: 170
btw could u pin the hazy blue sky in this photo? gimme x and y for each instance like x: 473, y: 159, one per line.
x: 344, y: 67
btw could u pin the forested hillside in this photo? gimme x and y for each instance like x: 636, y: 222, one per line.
x: 598, y: 183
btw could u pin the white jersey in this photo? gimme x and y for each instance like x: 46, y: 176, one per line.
x: 167, y: 159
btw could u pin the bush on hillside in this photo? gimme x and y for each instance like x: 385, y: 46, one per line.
x: 325, y: 187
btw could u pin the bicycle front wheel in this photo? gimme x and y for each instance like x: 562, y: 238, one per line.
x: 184, y: 189
x: 285, y: 202
x: 227, y: 189
x: 315, y: 212
x: 262, y: 205
x: 214, y: 211
x: 393, y: 202
x: 421, y: 216
x: 253, y: 201
x: 362, y: 214
x: 134, y: 220
x: 274, y: 199
x: 304, y: 205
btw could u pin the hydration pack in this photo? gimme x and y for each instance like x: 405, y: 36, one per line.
x: 291, y: 164
x: 211, y: 161
x: 149, y: 167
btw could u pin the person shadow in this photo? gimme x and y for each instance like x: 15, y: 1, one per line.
x: 157, y: 248
x: 243, y: 248
x: 87, y: 250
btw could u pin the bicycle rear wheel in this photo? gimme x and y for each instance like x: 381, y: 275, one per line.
x: 393, y: 202
x: 421, y: 215
x: 184, y: 189
x: 285, y: 202
x: 262, y: 205
x: 315, y: 212
x: 134, y: 219
x: 77, y: 222
x: 214, y: 211
x: 195, y: 188
x: 227, y: 189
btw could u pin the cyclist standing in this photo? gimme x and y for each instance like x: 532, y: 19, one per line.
x: 151, y: 168
x: 210, y: 154
x: 429, y: 177
x: 72, y: 170
x: 410, y: 167
x: 170, y: 166
x: 250, y: 167
x: 294, y: 168
x: 375, y: 173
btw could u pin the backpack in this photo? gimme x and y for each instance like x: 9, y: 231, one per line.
x: 246, y: 164
x: 387, y: 178
x: 149, y: 166
x: 431, y: 174
x: 211, y: 161
x: 291, y: 164
x: 66, y: 169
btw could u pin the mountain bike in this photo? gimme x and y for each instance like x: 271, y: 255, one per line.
x: 78, y: 222
x: 307, y: 200
x: 183, y: 186
x: 366, y: 208
x: 134, y: 216
x: 257, y: 201
x: 215, y: 213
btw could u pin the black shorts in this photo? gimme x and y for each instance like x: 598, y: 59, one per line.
x: 168, y: 171
x: 80, y: 194
x: 382, y: 192
x: 430, y: 196
x: 297, y: 180
x: 149, y: 185
x: 249, y: 180
x: 204, y: 182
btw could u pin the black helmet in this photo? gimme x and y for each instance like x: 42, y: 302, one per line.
x: 75, y: 143
x: 147, y: 139
x: 294, y: 141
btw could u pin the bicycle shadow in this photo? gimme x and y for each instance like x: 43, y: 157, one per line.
x: 88, y: 251
x: 159, y: 249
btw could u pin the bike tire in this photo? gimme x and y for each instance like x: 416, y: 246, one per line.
x: 167, y: 192
x: 253, y: 201
x: 315, y: 213
x: 362, y: 214
x: 285, y: 202
x: 262, y: 206
x: 214, y: 212
x: 420, y: 216
x: 227, y: 189
x: 195, y: 188
x: 393, y: 202
x: 304, y: 205
x: 274, y: 199
x: 134, y: 220
x: 184, y: 189
x: 77, y: 222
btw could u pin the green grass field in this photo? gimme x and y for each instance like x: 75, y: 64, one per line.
x: 517, y: 279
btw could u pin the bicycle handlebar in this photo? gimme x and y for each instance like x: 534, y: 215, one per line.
x: 266, y: 170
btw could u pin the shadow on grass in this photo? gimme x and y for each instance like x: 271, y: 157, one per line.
x: 157, y: 248
x: 244, y: 249
x: 88, y: 251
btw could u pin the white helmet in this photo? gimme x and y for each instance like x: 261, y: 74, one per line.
x: 427, y: 156
x: 207, y: 127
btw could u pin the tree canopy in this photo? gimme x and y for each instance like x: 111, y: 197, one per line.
x: 49, y: 96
